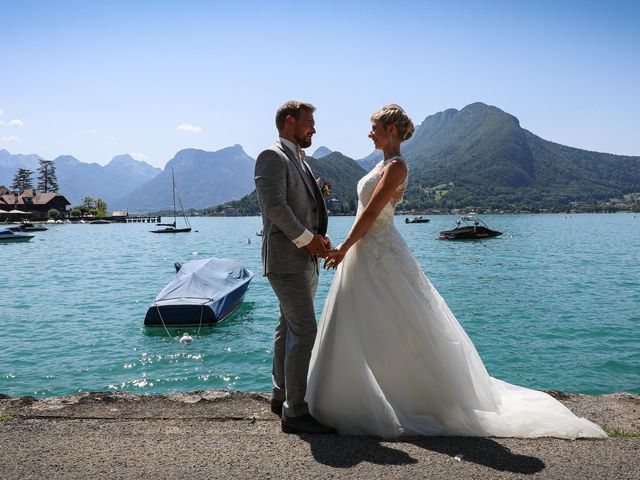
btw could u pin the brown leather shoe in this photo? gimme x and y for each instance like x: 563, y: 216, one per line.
x: 305, y: 424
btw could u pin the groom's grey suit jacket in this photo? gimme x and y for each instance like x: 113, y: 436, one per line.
x: 291, y: 202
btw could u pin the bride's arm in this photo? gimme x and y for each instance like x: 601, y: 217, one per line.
x: 392, y: 177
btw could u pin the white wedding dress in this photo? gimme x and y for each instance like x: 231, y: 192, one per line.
x: 391, y: 359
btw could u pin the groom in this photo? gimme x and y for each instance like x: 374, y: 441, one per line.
x: 294, y: 219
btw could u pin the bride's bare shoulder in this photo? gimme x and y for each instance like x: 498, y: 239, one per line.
x: 396, y: 164
x: 395, y: 171
x: 395, y: 161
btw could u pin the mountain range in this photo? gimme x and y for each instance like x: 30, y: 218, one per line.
x: 478, y: 156
x: 202, y: 179
x: 481, y: 156
x: 321, y: 152
x: 78, y: 179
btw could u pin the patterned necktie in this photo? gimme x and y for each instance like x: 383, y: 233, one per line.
x: 301, y: 153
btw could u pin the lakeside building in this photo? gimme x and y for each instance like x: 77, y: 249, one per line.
x: 32, y: 202
x: 120, y: 216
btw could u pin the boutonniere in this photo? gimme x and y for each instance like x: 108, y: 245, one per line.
x: 326, y: 189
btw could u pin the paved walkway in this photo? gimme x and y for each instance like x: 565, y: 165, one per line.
x: 216, y: 434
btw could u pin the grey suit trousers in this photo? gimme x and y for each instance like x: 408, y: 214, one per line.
x: 295, y: 335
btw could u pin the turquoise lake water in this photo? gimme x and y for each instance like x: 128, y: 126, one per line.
x: 552, y: 304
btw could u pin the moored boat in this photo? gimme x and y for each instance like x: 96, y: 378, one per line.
x: 28, y: 227
x: 169, y: 228
x: 204, y: 292
x: 417, y: 220
x: 469, y: 228
x: 10, y: 236
x: 172, y: 227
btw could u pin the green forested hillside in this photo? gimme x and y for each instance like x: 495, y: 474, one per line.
x: 481, y: 157
x: 343, y: 173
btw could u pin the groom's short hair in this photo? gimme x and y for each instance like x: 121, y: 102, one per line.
x: 293, y: 108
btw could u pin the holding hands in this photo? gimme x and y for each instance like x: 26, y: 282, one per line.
x: 319, y: 246
x: 335, y: 257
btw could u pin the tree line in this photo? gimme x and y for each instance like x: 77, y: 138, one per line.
x: 48, y: 182
x: 47, y: 179
x: 95, y: 207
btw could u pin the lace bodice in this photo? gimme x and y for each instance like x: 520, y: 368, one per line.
x: 367, y: 185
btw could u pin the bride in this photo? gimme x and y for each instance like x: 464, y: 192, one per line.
x: 390, y: 358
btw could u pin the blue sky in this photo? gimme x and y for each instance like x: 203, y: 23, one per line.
x: 99, y: 79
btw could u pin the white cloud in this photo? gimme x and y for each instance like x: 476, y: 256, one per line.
x: 93, y: 131
x: 138, y: 156
x: 11, y: 138
x: 1, y: 111
x: 16, y: 122
x: 188, y: 128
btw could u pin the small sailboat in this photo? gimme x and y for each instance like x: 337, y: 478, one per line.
x: 172, y: 227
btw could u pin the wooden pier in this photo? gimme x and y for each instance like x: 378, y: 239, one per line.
x: 144, y: 219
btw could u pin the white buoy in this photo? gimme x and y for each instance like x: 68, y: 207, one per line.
x: 186, y: 338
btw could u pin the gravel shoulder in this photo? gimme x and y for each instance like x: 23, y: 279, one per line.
x: 218, y: 434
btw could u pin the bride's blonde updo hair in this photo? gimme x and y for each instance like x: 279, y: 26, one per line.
x: 394, y: 114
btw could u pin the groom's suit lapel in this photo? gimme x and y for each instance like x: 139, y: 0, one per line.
x: 306, y: 177
x: 312, y: 186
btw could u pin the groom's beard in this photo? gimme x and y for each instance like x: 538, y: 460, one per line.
x: 302, y: 141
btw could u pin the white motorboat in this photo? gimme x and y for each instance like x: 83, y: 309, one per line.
x: 9, y: 236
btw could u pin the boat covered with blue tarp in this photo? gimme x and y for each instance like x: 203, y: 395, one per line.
x: 203, y: 292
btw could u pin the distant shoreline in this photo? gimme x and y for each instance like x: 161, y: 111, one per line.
x: 448, y: 214
x: 397, y: 214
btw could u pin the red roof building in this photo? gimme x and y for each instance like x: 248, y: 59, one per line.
x: 31, y: 201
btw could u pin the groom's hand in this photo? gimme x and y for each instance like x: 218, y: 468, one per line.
x: 317, y: 246
x: 327, y: 242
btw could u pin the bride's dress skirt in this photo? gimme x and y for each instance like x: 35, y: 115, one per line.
x: 391, y: 359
